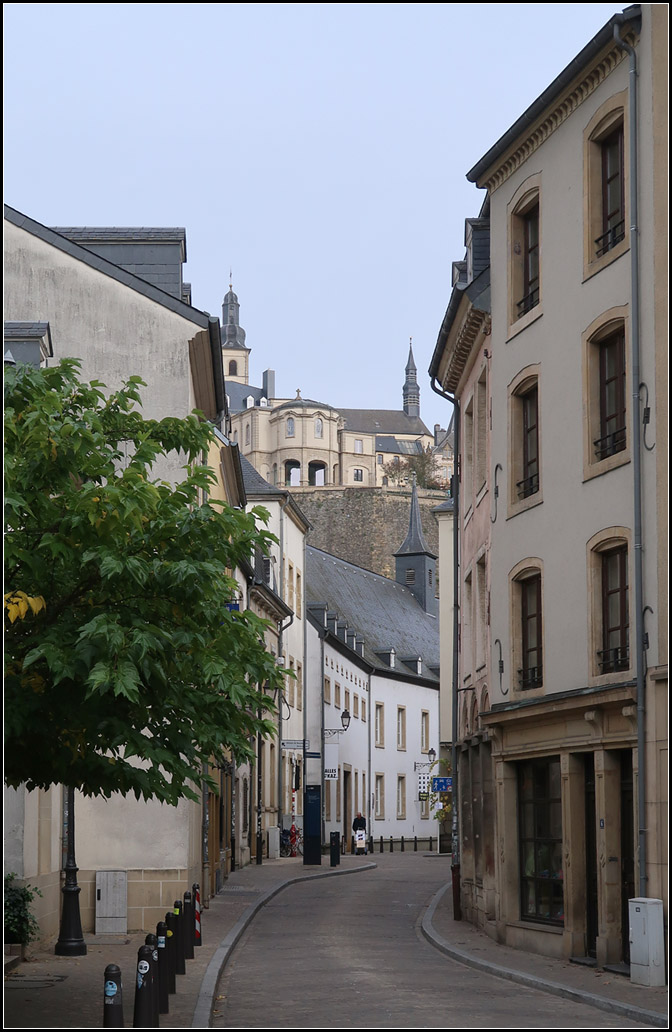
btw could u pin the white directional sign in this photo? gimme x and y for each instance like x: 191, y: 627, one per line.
x: 294, y: 743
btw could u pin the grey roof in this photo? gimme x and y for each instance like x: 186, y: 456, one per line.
x: 381, y: 611
x: 414, y: 542
x: 303, y: 403
x: 238, y: 392
x: 382, y: 421
x: 26, y: 330
x: 255, y: 483
x: 108, y: 268
x: 101, y: 234
x: 394, y: 446
x: 31, y: 341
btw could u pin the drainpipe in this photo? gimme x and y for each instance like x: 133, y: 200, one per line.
x: 455, y: 845
x: 280, y: 634
x: 637, y: 462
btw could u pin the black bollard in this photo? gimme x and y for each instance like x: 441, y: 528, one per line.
x: 171, y: 948
x: 113, y: 1010
x: 391, y: 844
x: 334, y: 849
x: 196, y: 895
x: 188, y: 918
x: 152, y: 942
x: 143, y: 1011
x: 402, y: 843
x: 161, y: 931
x: 415, y: 844
x: 430, y: 843
x: 180, y: 966
x: 381, y: 843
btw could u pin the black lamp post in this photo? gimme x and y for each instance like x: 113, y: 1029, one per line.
x: 70, y: 939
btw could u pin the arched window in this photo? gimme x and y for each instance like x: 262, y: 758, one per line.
x: 233, y: 367
x: 289, y: 427
x: 319, y: 427
x: 247, y: 436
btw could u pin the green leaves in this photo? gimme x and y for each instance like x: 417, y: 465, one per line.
x: 133, y: 673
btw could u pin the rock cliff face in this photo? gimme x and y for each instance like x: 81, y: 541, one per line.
x: 365, y: 525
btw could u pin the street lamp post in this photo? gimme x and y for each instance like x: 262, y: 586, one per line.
x: 70, y: 939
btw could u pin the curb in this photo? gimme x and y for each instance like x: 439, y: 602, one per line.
x: 220, y: 958
x: 624, y: 1010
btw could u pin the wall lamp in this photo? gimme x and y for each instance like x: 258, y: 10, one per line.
x: 345, y: 722
x: 432, y: 756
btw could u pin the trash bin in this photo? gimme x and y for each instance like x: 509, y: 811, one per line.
x: 335, y: 848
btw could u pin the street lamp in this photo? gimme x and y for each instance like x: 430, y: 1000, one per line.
x: 345, y: 722
x: 422, y: 766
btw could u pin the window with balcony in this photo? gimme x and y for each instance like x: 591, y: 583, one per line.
x: 615, y: 652
x: 611, y: 351
x: 525, y: 254
x: 530, y: 674
x: 606, y: 406
x: 606, y: 234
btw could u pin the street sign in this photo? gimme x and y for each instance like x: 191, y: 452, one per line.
x: 295, y: 743
x: 442, y: 784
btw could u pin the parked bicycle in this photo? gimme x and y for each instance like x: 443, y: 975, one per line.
x: 286, y: 842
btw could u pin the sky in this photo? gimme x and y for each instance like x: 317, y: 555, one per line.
x: 316, y: 151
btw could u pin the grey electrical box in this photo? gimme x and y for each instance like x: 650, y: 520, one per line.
x: 111, y: 902
x: 273, y: 843
x: 647, y: 941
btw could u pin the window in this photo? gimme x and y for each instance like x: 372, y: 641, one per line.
x: 424, y: 731
x: 613, y: 196
x: 327, y: 690
x: 289, y: 427
x: 615, y: 652
x: 524, y: 261
x: 529, y: 482
x: 606, y: 390
x: 612, y: 395
x: 401, y: 727
x: 319, y: 427
x: 380, y: 725
x: 359, y: 447
x: 299, y: 686
x: 364, y: 710
x: 401, y: 797
x: 355, y: 705
x: 346, y: 700
x: 359, y: 475
x: 380, y: 797
x: 605, y: 162
x: 540, y: 841
x: 290, y: 585
x: 379, y: 459
x: 247, y: 435
x: 291, y: 683
x: 337, y: 695
x: 530, y: 674
x: 233, y: 368
x: 298, y: 594
x: 410, y: 576
x: 480, y: 435
x: 524, y: 441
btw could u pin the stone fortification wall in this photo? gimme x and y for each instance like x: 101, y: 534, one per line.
x: 366, y: 525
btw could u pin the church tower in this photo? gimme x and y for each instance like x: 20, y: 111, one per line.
x: 235, y: 354
x: 415, y: 564
x: 411, y: 388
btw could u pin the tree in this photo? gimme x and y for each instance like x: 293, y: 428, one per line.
x: 125, y: 668
x: 424, y: 464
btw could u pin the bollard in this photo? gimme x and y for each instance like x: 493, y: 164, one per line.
x: 188, y: 918
x: 113, y: 1010
x: 171, y: 948
x: 196, y: 893
x: 391, y: 844
x: 161, y: 933
x: 415, y: 844
x: 402, y: 843
x: 370, y: 843
x: 381, y: 843
x: 430, y: 843
x: 180, y: 966
x: 143, y: 1011
x: 152, y: 941
x: 334, y: 848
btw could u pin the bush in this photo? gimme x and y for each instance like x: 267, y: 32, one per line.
x: 20, y: 923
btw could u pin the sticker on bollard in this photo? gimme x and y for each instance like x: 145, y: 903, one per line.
x: 143, y: 1010
x: 113, y: 1011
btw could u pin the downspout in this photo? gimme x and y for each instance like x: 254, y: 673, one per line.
x: 637, y: 461
x: 455, y: 845
x: 280, y: 634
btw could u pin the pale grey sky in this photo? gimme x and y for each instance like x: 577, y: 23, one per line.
x: 319, y: 150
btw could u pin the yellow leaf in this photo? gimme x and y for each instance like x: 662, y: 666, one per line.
x: 12, y: 612
x: 37, y: 603
x: 23, y: 608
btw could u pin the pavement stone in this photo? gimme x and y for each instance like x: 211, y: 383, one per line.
x: 47, y: 991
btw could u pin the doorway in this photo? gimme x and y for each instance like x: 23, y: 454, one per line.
x: 627, y: 850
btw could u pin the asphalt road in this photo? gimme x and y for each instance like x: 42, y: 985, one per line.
x: 347, y: 953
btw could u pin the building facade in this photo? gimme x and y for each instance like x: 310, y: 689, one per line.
x: 575, y: 611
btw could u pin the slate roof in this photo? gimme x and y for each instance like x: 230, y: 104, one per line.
x: 382, y: 421
x: 414, y: 542
x: 381, y: 611
x: 303, y: 403
x: 141, y: 234
x: 237, y: 393
x: 396, y: 447
x: 255, y: 483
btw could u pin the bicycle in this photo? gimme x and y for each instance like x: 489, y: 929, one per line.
x: 286, y: 842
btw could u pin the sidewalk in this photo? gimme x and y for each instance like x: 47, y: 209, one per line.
x: 67, y: 992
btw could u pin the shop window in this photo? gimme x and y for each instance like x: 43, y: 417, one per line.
x: 540, y: 841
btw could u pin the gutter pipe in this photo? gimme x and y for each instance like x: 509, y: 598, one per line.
x: 637, y: 461
x: 455, y: 844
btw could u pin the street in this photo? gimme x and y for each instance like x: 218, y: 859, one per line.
x: 347, y: 952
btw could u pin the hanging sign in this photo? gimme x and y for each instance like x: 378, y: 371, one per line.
x: 331, y: 763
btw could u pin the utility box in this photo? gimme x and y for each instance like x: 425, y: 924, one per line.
x: 273, y: 843
x: 647, y: 942
x: 111, y: 902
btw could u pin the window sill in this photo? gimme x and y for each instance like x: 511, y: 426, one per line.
x: 616, y: 677
x: 592, y: 266
x: 526, y: 320
x: 515, y: 508
x: 597, y: 469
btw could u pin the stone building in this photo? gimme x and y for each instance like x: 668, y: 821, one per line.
x: 563, y: 505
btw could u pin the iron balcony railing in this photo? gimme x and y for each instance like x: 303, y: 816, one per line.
x: 610, y: 443
x: 528, y: 302
x: 617, y: 658
x: 609, y: 239
x: 528, y: 486
x: 531, y: 677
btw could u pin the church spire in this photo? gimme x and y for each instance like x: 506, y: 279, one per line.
x: 415, y: 564
x: 233, y: 335
x: 411, y: 392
